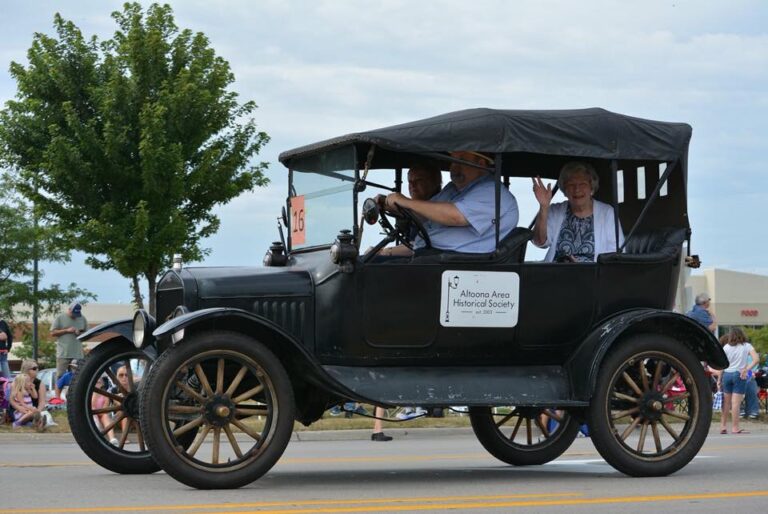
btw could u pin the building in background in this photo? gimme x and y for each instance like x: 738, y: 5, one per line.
x: 738, y: 298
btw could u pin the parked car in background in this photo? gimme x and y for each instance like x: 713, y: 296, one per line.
x: 48, y: 377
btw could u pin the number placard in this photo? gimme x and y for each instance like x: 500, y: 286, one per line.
x: 298, y: 221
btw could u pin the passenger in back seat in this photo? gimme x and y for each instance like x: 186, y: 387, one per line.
x: 579, y: 229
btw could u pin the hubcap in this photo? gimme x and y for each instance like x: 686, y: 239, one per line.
x: 219, y: 410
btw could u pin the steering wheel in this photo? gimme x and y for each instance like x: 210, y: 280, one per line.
x: 405, y: 221
x: 400, y: 231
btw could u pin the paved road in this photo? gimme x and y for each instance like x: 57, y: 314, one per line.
x: 425, y: 470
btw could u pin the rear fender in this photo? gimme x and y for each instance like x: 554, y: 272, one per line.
x: 584, y: 364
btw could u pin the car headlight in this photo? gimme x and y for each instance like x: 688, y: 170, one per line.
x: 143, y: 326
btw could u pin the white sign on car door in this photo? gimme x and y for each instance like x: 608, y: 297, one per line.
x: 479, y: 299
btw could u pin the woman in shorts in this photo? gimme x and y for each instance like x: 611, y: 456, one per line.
x: 734, y: 378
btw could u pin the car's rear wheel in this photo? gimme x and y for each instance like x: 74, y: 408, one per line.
x: 235, y: 393
x: 524, y: 436
x: 652, y: 406
x: 104, y: 416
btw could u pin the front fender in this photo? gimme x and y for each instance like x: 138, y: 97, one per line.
x: 122, y: 327
x: 285, y: 346
x: 584, y: 364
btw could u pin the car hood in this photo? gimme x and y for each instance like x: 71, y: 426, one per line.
x: 250, y: 282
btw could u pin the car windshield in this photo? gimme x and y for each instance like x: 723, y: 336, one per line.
x: 321, y: 206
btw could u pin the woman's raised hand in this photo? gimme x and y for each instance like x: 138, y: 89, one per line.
x: 542, y: 193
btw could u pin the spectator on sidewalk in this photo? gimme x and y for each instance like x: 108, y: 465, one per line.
x: 63, y: 382
x: 6, y: 341
x: 38, y: 393
x: 24, y: 413
x: 751, y: 406
x: 734, y: 378
x: 65, y: 328
x: 702, y: 312
x: 378, y: 432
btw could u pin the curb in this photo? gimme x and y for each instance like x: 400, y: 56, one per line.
x: 364, y: 434
x: 339, y: 435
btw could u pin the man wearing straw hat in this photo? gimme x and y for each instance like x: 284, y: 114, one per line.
x: 462, y: 216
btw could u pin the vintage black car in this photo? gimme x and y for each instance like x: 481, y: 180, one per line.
x: 210, y: 391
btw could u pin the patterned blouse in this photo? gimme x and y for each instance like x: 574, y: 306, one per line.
x: 576, y: 238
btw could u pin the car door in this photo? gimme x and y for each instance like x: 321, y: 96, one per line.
x: 449, y: 313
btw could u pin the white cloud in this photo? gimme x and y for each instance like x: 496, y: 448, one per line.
x: 319, y: 69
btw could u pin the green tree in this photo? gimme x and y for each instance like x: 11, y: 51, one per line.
x: 128, y: 144
x: 22, y: 241
x: 759, y: 338
x: 46, y: 351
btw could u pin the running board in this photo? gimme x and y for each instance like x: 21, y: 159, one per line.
x: 441, y: 386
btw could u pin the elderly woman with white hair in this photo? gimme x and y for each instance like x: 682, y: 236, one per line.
x: 579, y: 229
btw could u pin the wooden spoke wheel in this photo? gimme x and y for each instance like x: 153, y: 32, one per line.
x: 652, y: 406
x: 103, y: 407
x: 234, y: 394
x: 523, y: 436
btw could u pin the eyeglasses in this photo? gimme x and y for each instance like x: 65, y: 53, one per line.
x: 33, y: 369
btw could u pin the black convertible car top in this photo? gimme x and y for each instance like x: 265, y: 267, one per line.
x: 591, y: 133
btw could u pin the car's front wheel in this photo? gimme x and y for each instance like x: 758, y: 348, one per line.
x: 524, y: 436
x: 235, y: 393
x: 103, y: 407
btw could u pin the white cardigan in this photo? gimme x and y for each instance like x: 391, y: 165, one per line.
x: 605, y: 233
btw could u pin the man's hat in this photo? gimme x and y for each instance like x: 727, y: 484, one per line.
x: 73, y: 363
x: 76, y: 309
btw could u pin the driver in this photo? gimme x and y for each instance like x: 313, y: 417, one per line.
x: 460, y: 218
x: 424, y: 182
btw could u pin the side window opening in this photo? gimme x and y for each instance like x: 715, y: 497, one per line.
x: 620, y: 185
x: 641, y: 183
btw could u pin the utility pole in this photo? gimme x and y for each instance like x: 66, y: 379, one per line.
x: 35, y: 284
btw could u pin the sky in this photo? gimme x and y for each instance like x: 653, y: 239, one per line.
x: 319, y: 69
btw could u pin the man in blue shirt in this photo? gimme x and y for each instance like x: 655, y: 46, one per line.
x: 701, y: 312
x: 461, y: 217
x: 64, y: 381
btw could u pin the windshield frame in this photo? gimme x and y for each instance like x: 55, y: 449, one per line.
x: 292, y: 193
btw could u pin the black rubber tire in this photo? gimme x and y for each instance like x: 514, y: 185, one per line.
x: 606, y: 438
x: 501, y: 447
x: 154, y: 422
x: 78, y: 405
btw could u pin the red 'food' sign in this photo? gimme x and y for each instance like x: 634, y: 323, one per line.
x: 750, y: 313
x: 298, y: 218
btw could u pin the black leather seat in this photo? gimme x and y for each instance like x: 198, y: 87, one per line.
x: 511, y: 250
x: 650, y: 246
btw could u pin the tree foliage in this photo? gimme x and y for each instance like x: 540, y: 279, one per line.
x: 128, y: 144
x: 21, y: 242
x: 759, y: 338
x: 46, y: 349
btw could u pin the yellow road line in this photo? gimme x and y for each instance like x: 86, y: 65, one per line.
x: 146, y: 508
x: 496, y: 505
x: 413, y: 504
x: 47, y: 465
